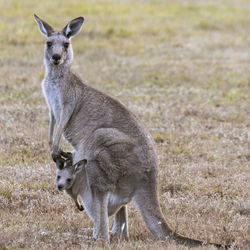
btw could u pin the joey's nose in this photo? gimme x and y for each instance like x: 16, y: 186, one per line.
x: 56, y: 57
x: 60, y: 187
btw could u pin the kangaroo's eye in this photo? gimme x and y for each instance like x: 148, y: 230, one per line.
x: 68, y: 180
x: 49, y: 44
x: 58, y: 177
x: 66, y: 45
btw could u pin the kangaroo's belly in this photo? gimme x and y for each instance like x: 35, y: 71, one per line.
x: 115, y: 202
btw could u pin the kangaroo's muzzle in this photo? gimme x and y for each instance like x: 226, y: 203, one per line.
x: 56, y: 59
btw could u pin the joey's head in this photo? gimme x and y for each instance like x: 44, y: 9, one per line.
x: 66, y: 176
x: 58, y: 50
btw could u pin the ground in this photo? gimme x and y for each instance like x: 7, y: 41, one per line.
x: 182, y: 67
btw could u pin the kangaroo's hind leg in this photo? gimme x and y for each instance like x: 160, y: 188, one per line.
x: 120, y: 227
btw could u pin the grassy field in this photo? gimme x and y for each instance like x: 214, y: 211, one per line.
x: 182, y: 67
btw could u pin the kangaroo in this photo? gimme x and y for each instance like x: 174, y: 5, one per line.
x: 120, y: 153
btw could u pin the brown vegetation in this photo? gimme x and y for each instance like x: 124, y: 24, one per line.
x: 182, y: 67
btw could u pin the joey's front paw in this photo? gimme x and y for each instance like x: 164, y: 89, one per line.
x: 80, y: 207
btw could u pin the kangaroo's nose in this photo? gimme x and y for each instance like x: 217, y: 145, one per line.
x: 60, y: 187
x: 56, y: 57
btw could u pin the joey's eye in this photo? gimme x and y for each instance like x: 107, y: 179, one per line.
x: 68, y: 180
x: 66, y: 45
x: 49, y: 44
x: 58, y: 177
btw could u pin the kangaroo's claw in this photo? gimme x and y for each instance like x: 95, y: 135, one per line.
x: 67, y: 155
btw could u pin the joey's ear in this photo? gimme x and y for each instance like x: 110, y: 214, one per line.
x: 44, y: 27
x: 73, y: 27
x: 80, y: 166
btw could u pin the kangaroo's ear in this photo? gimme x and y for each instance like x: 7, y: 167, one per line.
x: 73, y: 27
x: 80, y: 166
x: 44, y: 27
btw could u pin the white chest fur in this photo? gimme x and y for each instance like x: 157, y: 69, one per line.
x: 51, y: 91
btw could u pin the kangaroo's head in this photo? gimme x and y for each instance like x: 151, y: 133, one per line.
x: 66, y: 176
x: 58, y: 50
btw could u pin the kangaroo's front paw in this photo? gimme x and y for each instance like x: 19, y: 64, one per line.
x: 66, y: 155
x: 55, y: 153
x: 79, y: 206
x: 55, y: 156
x: 58, y: 159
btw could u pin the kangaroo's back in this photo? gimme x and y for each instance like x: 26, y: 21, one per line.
x: 96, y: 110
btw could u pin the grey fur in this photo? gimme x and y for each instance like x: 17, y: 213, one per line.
x: 120, y: 152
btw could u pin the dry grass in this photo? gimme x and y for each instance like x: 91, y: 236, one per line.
x: 182, y: 67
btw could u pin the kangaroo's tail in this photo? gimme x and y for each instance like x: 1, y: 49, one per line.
x: 146, y: 200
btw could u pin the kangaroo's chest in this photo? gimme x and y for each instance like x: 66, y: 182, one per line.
x: 52, y: 95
